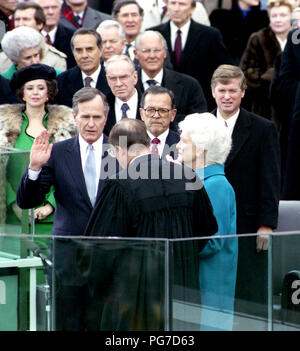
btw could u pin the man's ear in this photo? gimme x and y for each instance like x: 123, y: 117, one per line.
x: 142, y: 113
x: 174, y: 112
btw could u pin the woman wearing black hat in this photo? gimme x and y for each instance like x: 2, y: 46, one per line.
x: 35, y: 86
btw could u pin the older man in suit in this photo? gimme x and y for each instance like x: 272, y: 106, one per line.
x: 195, y: 49
x: 253, y: 170
x: 130, y: 15
x: 151, y: 52
x: 124, y: 97
x: 75, y: 167
x: 158, y: 110
x: 77, y: 14
x: 87, y: 48
x: 56, y: 34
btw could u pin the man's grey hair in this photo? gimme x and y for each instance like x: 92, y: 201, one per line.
x: 111, y: 24
x: 19, y: 39
x: 118, y: 58
x: 88, y: 94
x: 209, y: 134
x: 149, y: 33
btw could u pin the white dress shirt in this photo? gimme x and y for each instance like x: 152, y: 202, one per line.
x: 132, y: 104
x: 94, y: 77
x: 145, y: 77
x: 52, y: 34
x: 162, y: 137
x: 184, y: 33
x: 229, y: 122
x: 98, y: 147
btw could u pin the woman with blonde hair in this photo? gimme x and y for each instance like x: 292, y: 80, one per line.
x: 262, y: 51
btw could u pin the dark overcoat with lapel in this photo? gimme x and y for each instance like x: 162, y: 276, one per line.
x: 73, y: 206
x: 204, y: 51
x: 170, y: 146
x: 70, y: 81
x: 289, y: 73
x: 62, y: 42
x: 189, y: 96
x: 236, y: 29
x: 253, y: 170
x: 291, y: 186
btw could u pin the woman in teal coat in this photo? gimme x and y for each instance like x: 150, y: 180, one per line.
x: 204, y: 146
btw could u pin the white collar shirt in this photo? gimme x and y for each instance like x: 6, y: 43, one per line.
x: 162, y: 137
x: 94, y: 77
x: 229, y: 122
x: 184, y: 34
x: 52, y: 34
x: 132, y: 104
x: 98, y: 149
x: 158, y: 78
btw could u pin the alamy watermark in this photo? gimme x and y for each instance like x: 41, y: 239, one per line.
x: 2, y: 293
x: 296, y: 294
x: 296, y: 37
x: 143, y: 170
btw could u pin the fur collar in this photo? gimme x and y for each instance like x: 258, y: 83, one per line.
x: 60, y: 123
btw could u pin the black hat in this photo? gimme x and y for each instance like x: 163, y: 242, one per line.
x: 33, y: 72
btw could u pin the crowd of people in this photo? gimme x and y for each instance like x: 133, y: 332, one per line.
x: 208, y: 86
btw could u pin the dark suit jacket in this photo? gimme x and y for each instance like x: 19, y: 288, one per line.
x: 111, y: 118
x: 62, y: 43
x: 289, y: 73
x: 70, y: 81
x: 6, y: 94
x: 92, y: 19
x: 237, y: 29
x: 73, y: 206
x: 170, y: 146
x: 253, y: 170
x: 291, y: 188
x: 189, y: 96
x: 204, y: 51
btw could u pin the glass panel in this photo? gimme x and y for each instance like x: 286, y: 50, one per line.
x: 149, y: 284
x: 13, y: 220
x: 109, y: 284
x: 286, y: 281
x: 221, y: 290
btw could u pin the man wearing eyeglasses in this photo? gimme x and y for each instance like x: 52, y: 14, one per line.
x: 151, y: 52
x: 158, y: 110
x: 124, y: 98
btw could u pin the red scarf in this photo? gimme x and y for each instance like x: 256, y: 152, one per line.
x: 70, y: 16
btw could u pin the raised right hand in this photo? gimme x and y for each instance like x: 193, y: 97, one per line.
x: 40, y: 151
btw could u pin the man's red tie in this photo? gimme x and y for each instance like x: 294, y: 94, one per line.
x: 87, y: 81
x: 178, y: 47
x: 48, y: 39
x: 154, y: 149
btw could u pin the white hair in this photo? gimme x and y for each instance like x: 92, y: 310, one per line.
x: 19, y: 39
x: 118, y: 58
x: 110, y: 24
x: 208, y: 133
x: 149, y: 33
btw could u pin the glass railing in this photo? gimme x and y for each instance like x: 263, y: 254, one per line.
x: 149, y: 284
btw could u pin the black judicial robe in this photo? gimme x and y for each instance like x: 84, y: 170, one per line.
x: 128, y: 277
